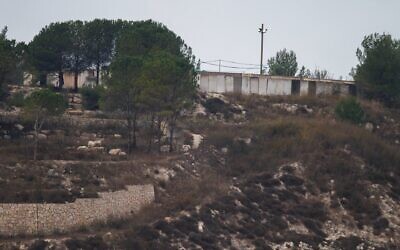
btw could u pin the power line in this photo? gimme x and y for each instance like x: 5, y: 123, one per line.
x: 228, y: 66
x: 233, y: 62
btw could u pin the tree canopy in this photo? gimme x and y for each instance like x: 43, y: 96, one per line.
x: 283, y: 64
x: 10, y: 61
x: 378, y: 71
x: 153, y: 72
x: 50, y: 49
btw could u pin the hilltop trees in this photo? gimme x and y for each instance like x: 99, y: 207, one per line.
x: 77, y: 54
x: 7, y: 60
x: 50, y: 49
x: 123, y: 92
x: 283, y: 64
x: 11, y: 56
x: 74, y: 46
x: 169, y: 86
x: 100, y: 35
x: 153, y: 72
x: 378, y: 71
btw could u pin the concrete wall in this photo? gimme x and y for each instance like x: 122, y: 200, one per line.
x: 279, y: 87
x: 49, y: 218
x: 219, y: 82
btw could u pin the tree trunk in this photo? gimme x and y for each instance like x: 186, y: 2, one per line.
x: 60, y: 80
x: 97, y: 73
x: 171, y: 132
x: 134, y: 130
x: 159, y: 133
x: 36, y: 142
x: 76, y: 75
x: 129, y: 121
x: 151, y: 136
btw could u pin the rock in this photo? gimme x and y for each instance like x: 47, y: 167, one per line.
x: 369, y: 126
x: 74, y: 112
x: 164, y: 148
x: 224, y: 150
x: 42, y: 136
x: 19, y: 127
x: 186, y: 148
x: 117, y: 136
x: 122, y: 154
x: 163, y: 174
x: 199, y: 110
x: 197, y: 139
x: 115, y: 151
x: 96, y: 143
x: 200, y: 226
x: 52, y: 173
x: 246, y: 141
x: 46, y: 132
x: 96, y: 149
x: 30, y: 137
x: 82, y: 148
x: 397, y: 141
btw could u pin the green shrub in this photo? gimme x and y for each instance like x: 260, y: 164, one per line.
x: 91, y: 97
x: 3, y: 91
x: 350, y: 110
x: 17, y: 100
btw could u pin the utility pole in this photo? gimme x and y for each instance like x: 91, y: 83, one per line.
x: 262, y: 31
x: 219, y: 65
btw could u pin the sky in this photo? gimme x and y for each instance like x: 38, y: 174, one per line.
x: 324, y: 34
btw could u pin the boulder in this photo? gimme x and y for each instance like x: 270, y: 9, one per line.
x: 199, y: 110
x: 46, y: 132
x: 369, y: 126
x: 122, y: 153
x: 115, y: 151
x: 197, y: 139
x: 117, y: 136
x: 96, y: 149
x: 96, y: 143
x: 186, y: 148
x: 82, y: 148
x: 164, y: 148
x: 163, y: 174
x: 74, y: 112
x: 19, y: 127
x: 42, y: 136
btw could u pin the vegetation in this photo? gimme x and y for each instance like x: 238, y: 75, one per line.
x: 50, y: 48
x: 10, y: 53
x: 39, y: 106
x: 378, y: 69
x: 156, y: 78
x: 283, y: 64
x: 349, y: 109
x: 91, y: 97
x: 317, y: 74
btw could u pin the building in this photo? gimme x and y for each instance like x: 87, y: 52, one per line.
x: 221, y: 82
x: 85, y: 78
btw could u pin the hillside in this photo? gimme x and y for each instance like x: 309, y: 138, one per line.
x: 270, y: 173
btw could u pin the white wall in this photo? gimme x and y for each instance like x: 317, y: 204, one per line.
x: 263, y: 84
x: 246, y: 85
x: 303, y: 88
x: 229, y: 83
x: 254, y: 85
x: 204, y: 83
x: 279, y: 87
